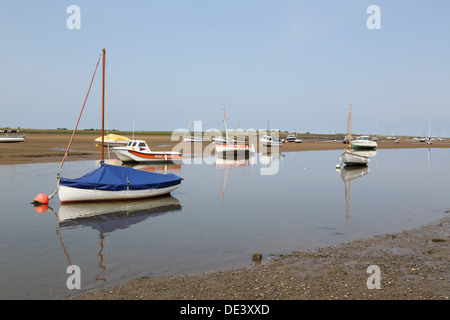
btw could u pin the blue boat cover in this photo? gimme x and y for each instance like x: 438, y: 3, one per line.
x: 115, y: 178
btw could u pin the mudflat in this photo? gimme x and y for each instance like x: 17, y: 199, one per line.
x: 43, y: 147
x: 411, y: 265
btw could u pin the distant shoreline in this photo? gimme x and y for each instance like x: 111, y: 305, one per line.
x: 42, y: 146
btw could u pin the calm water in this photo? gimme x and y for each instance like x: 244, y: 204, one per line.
x: 220, y: 216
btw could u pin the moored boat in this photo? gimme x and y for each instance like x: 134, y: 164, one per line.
x: 363, y: 142
x: 113, y: 140
x: 109, y: 182
x: 7, y: 138
x: 269, y: 141
x: 293, y: 138
x: 138, y: 151
x: 348, y: 157
x: 235, y: 147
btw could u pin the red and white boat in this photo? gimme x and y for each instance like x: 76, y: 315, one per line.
x: 138, y: 151
x: 229, y: 146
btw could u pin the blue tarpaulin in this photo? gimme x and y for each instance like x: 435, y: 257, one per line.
x: 115, y: 178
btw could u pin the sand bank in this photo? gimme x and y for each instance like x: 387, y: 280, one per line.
x: 41, y: 147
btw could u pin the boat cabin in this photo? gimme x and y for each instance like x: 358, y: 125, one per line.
x: 138, y: 144
x: 362, y: 138
x: 269, y: 138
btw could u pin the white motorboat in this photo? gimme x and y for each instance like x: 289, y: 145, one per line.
x: 293, y: 138
x: 363, y: 142
x: 7, y: 138
x: 269, y: 141
x: 138, y: 151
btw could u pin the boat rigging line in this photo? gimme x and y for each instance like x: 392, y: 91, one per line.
x: 75, y: 129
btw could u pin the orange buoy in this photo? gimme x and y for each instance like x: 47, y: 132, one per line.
x: 41, y: 198
x: 42, y: 208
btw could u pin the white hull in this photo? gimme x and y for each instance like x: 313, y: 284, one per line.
x: 365, y: 145
x: 69, y: 194
x: 234, y: 148
x: 12, y: 139
x: 268, y: 141
x: 192, y: 139
x: 352, y: 159
x: 363, y: 142
x: 126, y: 155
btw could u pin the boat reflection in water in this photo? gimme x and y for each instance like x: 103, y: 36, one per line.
x: 163, y: 168
x: 106, y: 217
x: 229, y: 161
x: 270, y: 162
x: 235, y: 160
x: 349, y: 173
x: 366, y: 153
x: 112, y: 215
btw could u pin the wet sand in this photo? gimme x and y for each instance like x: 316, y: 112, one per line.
x: 40, y: 147
x: 413, y: 264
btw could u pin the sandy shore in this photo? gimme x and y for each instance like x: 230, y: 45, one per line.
x: 413, y: 264
x: 40, y: 147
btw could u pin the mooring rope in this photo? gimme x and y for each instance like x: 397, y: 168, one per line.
x: 74, y: 130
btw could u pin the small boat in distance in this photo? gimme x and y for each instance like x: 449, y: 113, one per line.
x: 293, y: 138
x: 234, y: 147
x: 348, y: 157
x: 7, y: 138
x: 138, y: 151
x: 363, y: 142
x: 269, y: 141
x: 191, y: 138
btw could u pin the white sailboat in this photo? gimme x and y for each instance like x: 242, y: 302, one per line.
x: 109, y: 182
x: 349, y: 157
x: 233, y: 147
x: 191, y: 138
x: 429, y: 133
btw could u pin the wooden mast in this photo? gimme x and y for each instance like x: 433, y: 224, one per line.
x: 350, y: 130
x: 103, y: 105
x: 226, y: 130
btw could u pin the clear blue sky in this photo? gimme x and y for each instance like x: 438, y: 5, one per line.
x: 294, y: 63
